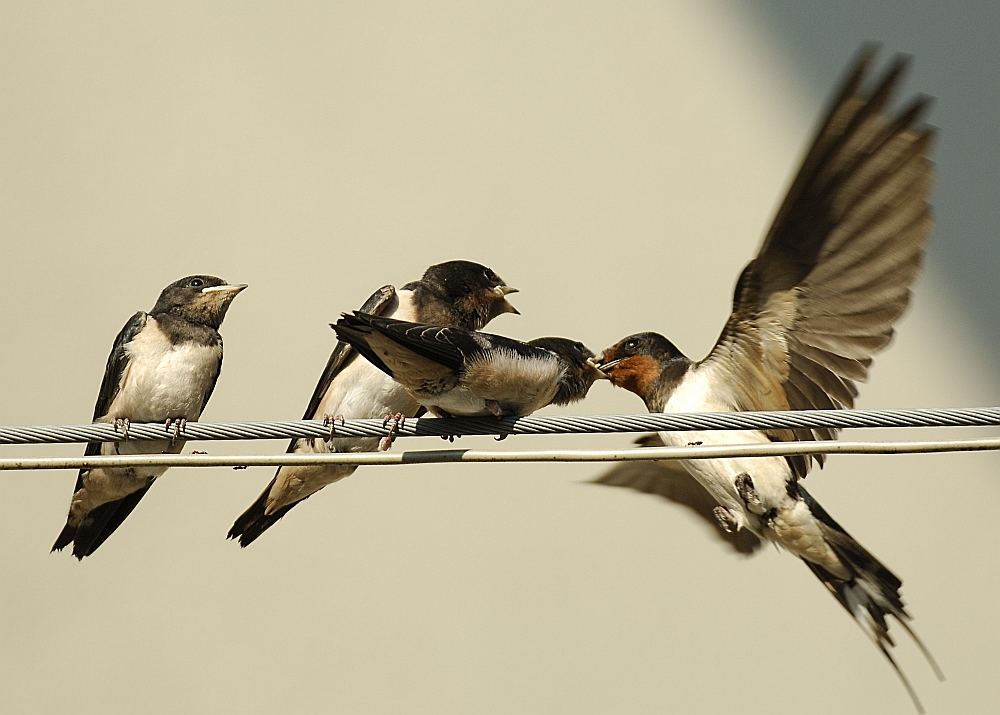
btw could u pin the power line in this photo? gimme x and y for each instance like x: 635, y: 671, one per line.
x: 442, y: 456
x: 432, y: 427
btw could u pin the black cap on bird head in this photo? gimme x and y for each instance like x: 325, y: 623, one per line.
x: 580, y: 372
x: 198, y: 299
x: 474, y: 290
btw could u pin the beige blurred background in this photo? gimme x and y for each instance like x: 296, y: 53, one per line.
x: 618, y: 162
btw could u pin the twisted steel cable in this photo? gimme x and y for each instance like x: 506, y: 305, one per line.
x: 574, y: 424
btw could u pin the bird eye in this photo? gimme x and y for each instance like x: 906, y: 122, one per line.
x: 486, y: 275
x: 196, y: 283
x: 631, y: 344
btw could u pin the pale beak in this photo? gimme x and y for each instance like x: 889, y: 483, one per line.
x: 502, y: 292
x: 234, y: 289
x: 593, y: 364
x: 603, y: 367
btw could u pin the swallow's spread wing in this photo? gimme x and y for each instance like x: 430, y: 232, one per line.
x: 835, y: 269
x: 377, y: 303
x: 675, y: 484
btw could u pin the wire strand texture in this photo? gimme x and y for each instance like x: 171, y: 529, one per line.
x: 465, y: 426
x: 430, y: 427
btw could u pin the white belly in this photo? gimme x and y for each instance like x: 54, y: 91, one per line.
x: 362, y: 391
x: 358, y: 391
x: 517, y: 385
x: 164, y: 380
x: 718, y: 476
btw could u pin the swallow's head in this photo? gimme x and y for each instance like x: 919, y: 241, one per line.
x: 638, y: 361
x: 472, y: 289
x: 579, y: 370
x: 199, y: 299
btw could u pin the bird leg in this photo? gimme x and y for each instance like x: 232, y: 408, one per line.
x: 747, y: 492
x: 121, y: 425
x: 397, y: 421
x: 495, y: 409
x: 178, y: 424
x: 331, y: 422
x: 726, y: 519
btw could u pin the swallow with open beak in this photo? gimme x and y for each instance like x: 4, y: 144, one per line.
x: 163, y: 368
x: 809, y: 312
x: 457, y: 372
x: 458, y: 293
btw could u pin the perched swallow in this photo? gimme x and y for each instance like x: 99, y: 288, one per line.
x: 819, y: 300
x: 457, y: 372
x: 459, y: 293
x: 163, y: 368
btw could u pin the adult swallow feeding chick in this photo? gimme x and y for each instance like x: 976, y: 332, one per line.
x: 456, y: 372
x: 809, y: 312
x: 163, y: 368
x: 459, y: 293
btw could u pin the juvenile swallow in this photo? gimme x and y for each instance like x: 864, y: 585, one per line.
x: 460, y: 293
x: 819, y: 300
x: 163, y: 368
x: 456, y: 372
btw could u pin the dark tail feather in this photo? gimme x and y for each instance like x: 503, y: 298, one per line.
x: 98, y: 525
x: 65, y: 538
x: 871, y: 595
x: 254, y: 522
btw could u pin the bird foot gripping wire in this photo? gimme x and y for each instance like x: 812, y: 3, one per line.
x: 121, y: 424
x: 397, y: 420
x: 177, y: 424
x: 331, y: 422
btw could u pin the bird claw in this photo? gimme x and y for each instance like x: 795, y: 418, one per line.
x: 449, y: 437
x: 178, y: 424
x: 747, y: 492
x: 726, y: 520
x: 501, y: 437
x: 397, y: 420
x: 331, y: 422
x: 122, y: 424
x: 495, y: 409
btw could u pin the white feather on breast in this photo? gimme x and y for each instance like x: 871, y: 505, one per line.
x: 359, y: 391
x: 520, y: 385
x: 362, y: 391
x: 164, y: 380
x: 718, y: 476
x: 793, y: 526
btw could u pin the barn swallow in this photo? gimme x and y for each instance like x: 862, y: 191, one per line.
x: 810, y: 311
x: 457, y: 372
x: 163, y: 368
x: 460, y: 293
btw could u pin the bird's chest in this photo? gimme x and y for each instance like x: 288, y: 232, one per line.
x: 164, y: 379
x: 518, y: 386
x: 718, y: 476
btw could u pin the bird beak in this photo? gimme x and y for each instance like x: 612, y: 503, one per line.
x: 598, y: 364
x: 598, y: 373
x: 502, y: 291
x: 227, y: 289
